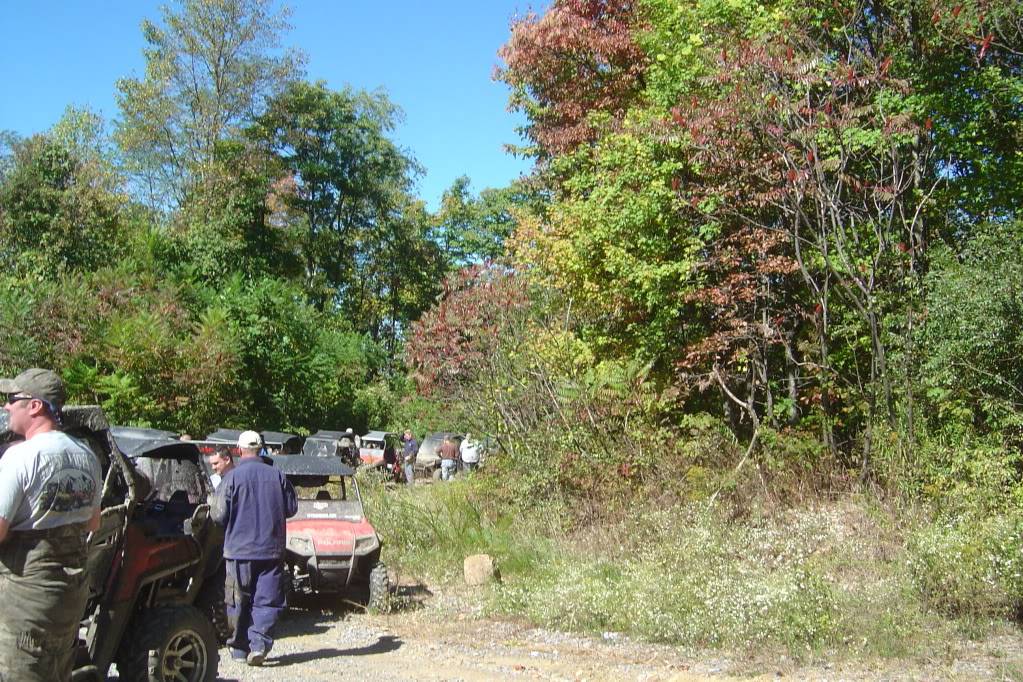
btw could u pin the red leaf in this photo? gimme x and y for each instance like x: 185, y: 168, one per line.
x: 936, y: 17
x: 675, y: 183
x: 928, y: 124
x: 986, y: 45
x: 791, y: 175
x: 809, y: 155
x: 789, y: 53
x: 956, y: 10
x: 884, y: 66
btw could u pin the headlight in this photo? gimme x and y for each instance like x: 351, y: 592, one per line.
x: 366, y: 544
x: 300, y: 544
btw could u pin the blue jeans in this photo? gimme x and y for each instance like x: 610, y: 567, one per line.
x: 255, y: 594
x: 410, y: 475
x: 447, y: 469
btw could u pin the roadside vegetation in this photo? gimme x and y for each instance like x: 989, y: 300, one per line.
x: 747, y: 339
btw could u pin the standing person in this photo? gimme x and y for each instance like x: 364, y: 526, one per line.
x: 409, y: 448
x: 348, y: 447
x: 469, y: 450
x: 252, y: 503
x: 448, y: 454
x: 50, y: 488
x: 221, y: 463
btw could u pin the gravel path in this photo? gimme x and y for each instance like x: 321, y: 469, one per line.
x: 443, y: 637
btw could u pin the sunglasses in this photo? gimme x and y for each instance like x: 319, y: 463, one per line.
x: 12, y: 398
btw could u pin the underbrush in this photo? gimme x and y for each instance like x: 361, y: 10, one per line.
x: 850, y: 578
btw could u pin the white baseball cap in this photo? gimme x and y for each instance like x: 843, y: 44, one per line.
x: 250, y: 439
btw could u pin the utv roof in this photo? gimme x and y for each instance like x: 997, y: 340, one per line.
x: 137, y: 442
x: 289, y: 442
x: 305, y: 465
x: 330, y: 435
x: 224, y: 436
x: 89, y: 417
x: 378, y: 435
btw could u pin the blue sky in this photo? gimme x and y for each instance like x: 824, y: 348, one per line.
x: 434, y: 59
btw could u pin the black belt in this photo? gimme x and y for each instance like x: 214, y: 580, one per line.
x: 67, y: 530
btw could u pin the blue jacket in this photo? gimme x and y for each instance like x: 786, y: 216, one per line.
x: 252, y: 503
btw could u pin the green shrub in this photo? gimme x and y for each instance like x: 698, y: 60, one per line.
x: 971, y: 566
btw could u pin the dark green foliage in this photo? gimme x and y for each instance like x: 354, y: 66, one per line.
x: 971, y: 342
x: 57, y: 210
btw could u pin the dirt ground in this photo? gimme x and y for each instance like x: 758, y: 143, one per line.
x: 443, y: 637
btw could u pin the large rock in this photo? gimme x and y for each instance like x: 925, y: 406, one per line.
x: 479, y: 569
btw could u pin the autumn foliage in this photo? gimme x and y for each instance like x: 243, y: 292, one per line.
x: 578, y: 58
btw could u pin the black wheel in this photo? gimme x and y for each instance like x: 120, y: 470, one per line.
x: 182, y: 642
x: 211, y: 602
x: 379, y: 588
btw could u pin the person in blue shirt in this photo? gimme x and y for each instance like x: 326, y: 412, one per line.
x: 409, y: 449
x: 253, y: 502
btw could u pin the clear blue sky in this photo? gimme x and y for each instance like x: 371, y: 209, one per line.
x: 434, y: 59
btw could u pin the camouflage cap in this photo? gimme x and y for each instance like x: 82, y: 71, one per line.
x: 43, y: 384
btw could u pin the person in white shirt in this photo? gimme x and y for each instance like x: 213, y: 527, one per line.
x: 221, y: 462
x: 50, y: 490
x: 469, y: 451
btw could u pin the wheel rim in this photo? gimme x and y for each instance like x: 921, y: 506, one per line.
x: 184, y: 658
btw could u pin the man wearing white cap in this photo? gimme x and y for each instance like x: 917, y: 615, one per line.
x: 253, y: 502
x: 50, y: 488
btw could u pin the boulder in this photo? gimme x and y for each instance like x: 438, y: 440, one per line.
x: 479, y: 569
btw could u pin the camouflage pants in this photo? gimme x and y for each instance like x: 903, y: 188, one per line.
x: 43, y: 590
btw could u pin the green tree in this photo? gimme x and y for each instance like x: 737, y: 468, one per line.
x: 472, y: 229
x: 343, y: 180
x: 209, y: 68
x: 60, y: 204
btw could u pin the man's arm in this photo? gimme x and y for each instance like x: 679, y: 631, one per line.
x: 219, y: 506
x: 11, y: 496
x: 93, y: 525
x: 290, y: 500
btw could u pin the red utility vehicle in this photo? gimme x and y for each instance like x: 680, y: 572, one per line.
x: 332, y: 547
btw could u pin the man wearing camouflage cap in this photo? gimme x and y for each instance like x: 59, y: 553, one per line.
x: 50, y: 487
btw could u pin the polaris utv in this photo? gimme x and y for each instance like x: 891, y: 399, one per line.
x: 331, y: 545
x: 152, y: 563
x: 343, y: 444
x: 274, y: 442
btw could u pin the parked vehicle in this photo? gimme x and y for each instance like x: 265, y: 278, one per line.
x: 379, y: 450
x: 275, y: 442
x: 331, y: 545
x: 343, y: 444
x: 152, y: 563
x: 428, y: 459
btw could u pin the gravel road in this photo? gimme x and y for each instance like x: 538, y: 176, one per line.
x: 444, y: 637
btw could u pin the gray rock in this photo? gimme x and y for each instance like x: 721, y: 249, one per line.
x: 479, y: 569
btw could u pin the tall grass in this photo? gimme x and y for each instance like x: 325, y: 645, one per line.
x: 847, y: 578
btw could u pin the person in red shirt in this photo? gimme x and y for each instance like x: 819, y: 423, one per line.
x: 448, y: 455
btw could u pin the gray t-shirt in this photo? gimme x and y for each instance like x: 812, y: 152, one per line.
x: 48, y: 481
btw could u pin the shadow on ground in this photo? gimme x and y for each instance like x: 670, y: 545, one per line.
x: 410, y: 597
x: 383, y: 645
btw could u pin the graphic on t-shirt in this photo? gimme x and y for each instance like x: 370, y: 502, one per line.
x: 72, y: 490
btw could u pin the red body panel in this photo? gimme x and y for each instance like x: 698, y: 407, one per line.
x: 331, y: 536
x: 149, y: 555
